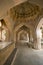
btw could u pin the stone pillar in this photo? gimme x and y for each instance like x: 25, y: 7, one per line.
x: 35, y: 39
x: 15, y: 37
x: 31, y: 36
x: 38, y: 39
x: 38, y: 43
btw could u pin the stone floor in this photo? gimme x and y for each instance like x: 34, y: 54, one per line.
x: 28, y: 56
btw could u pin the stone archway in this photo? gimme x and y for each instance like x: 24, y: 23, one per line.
x: 22, y: 38
x: 32, y: 32
x: 23, y: 35
x: 23, y: 32
x: 39, y: 33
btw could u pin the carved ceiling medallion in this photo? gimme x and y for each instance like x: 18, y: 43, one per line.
x: 25, y: 10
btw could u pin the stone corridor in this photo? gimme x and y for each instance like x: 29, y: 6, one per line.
x: 28, y: 56
x: 21, y: 32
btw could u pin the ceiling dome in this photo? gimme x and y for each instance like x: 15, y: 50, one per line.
x: 25, y: 10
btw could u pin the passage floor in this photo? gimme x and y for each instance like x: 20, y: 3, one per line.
x: 28, y: 56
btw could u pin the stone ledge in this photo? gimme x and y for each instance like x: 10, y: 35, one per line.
x: 5, y: 53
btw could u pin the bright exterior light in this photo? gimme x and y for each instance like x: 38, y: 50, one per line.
x: 0, y: 24
x: 39, y: 34
x: 3, y: 35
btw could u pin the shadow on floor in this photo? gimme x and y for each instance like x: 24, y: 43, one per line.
x: 10, y: 58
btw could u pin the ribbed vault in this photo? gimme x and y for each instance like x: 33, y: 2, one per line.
x: 25, y: 10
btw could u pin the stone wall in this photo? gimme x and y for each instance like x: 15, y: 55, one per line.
x: 5, y: 53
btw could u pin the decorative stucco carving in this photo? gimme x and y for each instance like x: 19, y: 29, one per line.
x: 25, y: 10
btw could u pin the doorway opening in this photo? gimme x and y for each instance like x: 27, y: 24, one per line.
x: 23, y: 36
x: 39, y: 31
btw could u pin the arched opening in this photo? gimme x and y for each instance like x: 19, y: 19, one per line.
x: 4, y: 33
x: 26, y: 27
x: 39, y: 32
x: 2, y: 30
x: 23, y: 35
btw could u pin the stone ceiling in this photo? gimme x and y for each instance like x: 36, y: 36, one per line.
x: 5, y: 5
x: 25, y: 13
x: 25, y: 10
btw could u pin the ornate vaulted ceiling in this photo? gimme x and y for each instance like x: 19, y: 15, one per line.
x: 5, y: 5
x: 25, y: 10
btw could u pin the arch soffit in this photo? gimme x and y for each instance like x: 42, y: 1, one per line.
x: 20, y: 25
